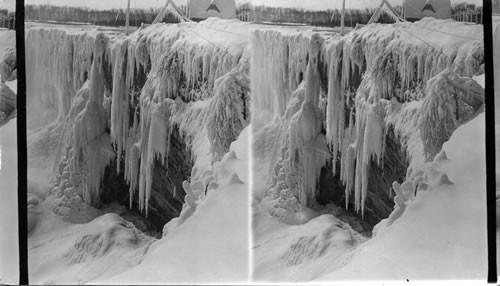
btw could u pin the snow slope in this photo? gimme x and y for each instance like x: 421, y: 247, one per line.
x: 9, y: 259
x: 212, y: 246
x: 445, y: 224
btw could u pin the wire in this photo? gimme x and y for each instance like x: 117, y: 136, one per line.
x: 458, y: 36
x: 431, y: 46
x: 228, y: 32
x: 223, y: 50
x: 443, y: 32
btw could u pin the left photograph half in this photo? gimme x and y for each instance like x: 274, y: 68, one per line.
x: 9, y: 250
x: 137, y: 130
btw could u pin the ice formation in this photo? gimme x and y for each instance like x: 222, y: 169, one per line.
x: 119, y: 97
x: 8, y: 66
x: 378, y: 77
x: 7, y: 104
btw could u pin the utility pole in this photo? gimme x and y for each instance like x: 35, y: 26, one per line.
x: 127, y: 19
x: 342, y: 18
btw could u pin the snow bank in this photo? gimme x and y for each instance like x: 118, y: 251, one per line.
x: 211, y: 245
x: 453, y: 237
x: 9, y: 259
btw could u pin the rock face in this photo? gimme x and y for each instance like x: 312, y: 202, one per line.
x: 379, y: 203
x: 167, y: 194
x: 8, y: 66
x: 7, y: 104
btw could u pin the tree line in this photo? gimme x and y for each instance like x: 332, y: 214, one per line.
x: 326, y: 18
x: 332, y: 17
x: 112, y: 17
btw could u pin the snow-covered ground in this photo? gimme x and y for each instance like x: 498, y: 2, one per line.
x: 9, y: 254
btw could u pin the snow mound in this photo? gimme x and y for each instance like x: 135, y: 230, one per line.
x: 82, y: 253
x: 317, y: 240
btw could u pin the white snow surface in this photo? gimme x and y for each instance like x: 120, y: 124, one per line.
x: 445, y: 224
x: 9, y: 250
x: 212, y: 246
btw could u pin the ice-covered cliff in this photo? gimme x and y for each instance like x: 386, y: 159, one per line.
x: 336, y: 98
x: 137, y: 120
x: 352, y: 121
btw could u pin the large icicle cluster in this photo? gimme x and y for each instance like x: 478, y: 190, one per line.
x: 60, y: 64
x: 84, y: 148
x: 91, y: 143
x: 142, y: 87
x: 386, y: 66
x: 66, y: 93
x: 178, y: 65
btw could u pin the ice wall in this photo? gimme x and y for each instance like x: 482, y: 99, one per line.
x: 118, y: 97
x: 377, y: 77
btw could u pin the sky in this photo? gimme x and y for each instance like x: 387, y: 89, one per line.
x: 8, y: 4
x: 307, y: 4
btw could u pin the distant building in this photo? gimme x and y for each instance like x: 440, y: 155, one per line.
x: 414, y: 10
x: 198, y: 10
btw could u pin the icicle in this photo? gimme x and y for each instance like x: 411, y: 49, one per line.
x: 120, y: 101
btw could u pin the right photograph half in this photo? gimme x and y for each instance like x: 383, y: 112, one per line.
x: 368, y: 141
